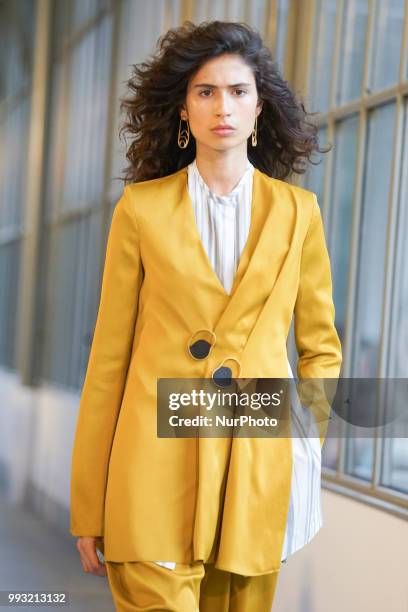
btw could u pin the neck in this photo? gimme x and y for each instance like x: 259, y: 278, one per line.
x: 221, y: 172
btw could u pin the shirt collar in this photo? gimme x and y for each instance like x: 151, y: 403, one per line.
x: 232, y: 195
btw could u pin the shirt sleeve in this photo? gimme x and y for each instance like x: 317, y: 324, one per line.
x: 106, y: 373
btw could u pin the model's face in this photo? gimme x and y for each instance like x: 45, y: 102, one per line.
x: 223, y: 91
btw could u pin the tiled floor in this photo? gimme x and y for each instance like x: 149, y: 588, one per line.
x: 35, y: 555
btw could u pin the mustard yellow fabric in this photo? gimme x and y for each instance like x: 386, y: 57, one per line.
x: 145, y: 586
x: 196, y: 587
x: 154, y: 498
x: 228, y: 592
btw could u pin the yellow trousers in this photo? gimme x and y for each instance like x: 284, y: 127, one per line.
x: 199, y: 587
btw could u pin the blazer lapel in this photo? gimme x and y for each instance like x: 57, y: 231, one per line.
x: 269, y: 243
x: 270, y: 238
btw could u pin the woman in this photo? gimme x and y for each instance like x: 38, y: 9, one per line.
x: 209, y: 255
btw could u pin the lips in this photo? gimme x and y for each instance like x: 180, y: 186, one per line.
x: 223, y: 126
x: 222, y: 130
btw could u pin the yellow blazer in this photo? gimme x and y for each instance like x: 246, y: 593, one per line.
x: 151, y: 498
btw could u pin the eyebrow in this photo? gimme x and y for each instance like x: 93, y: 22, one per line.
x: 216, y: 87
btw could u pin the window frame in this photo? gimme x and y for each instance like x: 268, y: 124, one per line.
x: 337, y: 480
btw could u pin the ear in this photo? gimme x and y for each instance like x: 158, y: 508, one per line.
x: 183, y: 112
x: 259, y: 107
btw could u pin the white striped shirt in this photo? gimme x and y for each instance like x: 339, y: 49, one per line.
x: 223, y: 223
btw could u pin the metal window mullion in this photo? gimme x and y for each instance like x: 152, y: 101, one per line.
x: 186, y: 11
x: 396, y: 504
x: 357, y: 484
x: 304, y: 47
x: 111, y: 117
x: 326, y: 207
x: 271, y: 24
x: 28, y: 278
x: 294, y: 22
x: 371, y: 100
x: 64, y: 117
x: 404, y: 47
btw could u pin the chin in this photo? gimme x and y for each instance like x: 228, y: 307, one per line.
x: 223, y: 144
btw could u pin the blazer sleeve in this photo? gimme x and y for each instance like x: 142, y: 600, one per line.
x: 317, y: 341
x: 106, y: 373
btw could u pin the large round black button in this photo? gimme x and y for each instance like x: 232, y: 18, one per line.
x: 200, y: 349
x: 222, y: 376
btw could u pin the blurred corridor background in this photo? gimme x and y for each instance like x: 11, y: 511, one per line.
x: 63, y: 68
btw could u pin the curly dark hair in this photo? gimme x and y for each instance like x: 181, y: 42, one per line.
x: 158, y: 88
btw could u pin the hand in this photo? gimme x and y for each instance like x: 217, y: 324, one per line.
x: 86, y: 546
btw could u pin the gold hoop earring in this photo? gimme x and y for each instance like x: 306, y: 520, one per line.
x: 183, y: 135
x: 254, y: 138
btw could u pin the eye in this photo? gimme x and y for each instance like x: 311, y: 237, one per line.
x: 203, y: 91
x: 243, y: 91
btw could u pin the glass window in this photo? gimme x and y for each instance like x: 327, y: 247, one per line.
x: 398, y: 367
x: 394, y: 465
x: 322, y: 64
x: 314, y: 180
x: 341, y: 204
x: 17, y: 29
x: 374, y: 30
x: 330, y: 453
x: 281, y: 33
x: 371, y: 270
x: 314, y: 176
x: 75, y: 181
x: 253, y: 13
x: 394, y: 472
x: 9, y: 273
x: 86, y: 116
x: 352, y: 51
x: 372, y: 241
x: 386, y: 45
x: 84, y: 10
x: 14, y: 132
x: 63, y: 296
x: 132, y: 50
x: 14, y: 128
x: 360, y: 457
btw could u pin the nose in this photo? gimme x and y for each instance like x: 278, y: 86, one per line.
x: 222, y: 104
